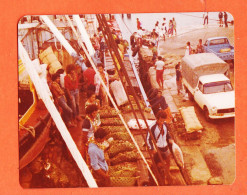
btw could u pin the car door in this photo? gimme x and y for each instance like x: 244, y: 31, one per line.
x: 199, y: 97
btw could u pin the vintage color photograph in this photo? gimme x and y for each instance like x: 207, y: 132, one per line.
x: 120, y: 100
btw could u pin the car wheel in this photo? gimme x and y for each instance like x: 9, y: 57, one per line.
x: 206, y: 114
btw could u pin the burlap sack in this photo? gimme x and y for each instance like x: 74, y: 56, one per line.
x: 190, y: 119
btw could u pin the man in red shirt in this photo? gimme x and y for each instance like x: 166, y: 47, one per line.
x: 88, y: 75
x: 71, y: 87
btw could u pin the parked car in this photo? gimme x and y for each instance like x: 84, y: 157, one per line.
x: 221, y: 47
x: 205, y: 78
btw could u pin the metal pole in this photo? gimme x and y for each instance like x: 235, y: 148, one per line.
x: 84, y: 34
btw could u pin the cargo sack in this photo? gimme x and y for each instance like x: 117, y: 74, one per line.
x: 113, y: 129
x: 111, y: 121
x: 107, y: 112
x: 48, y: 57
x: 128, y: 108
x: 54, y: 67
x: 119, y: 136
x: 123, y: 173
x: 132, y: 123
x: 123, y: 166
x: 190, y: 119
x: 123, y: 181
x: 178, y: 155
x: 120, y: 147
x: 124, y: 157
x: 119, y: 93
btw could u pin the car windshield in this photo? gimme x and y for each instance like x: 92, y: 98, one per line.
x: 217, y: 87
x: 219, y: 41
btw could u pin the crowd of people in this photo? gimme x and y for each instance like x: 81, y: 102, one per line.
x: 65, y: 88
x: 223, y: 19
x: 66, y: 99
x: 160, y: 30
x: 199, y: 48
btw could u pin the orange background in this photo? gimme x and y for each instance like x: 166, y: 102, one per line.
x: 13, y: 10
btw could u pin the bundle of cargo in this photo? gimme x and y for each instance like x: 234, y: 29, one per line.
x: 111, y: 122
x: 48, y: 57
x: 131, y: 156
x: 128, y: 108
x: 123, y: 181
x: 191, y: 121
x: 107, y: 112
x: 126, y: 166
x: 152, y: 76
x: 120, y: 146
x: 146, y: 54
x: 114, y: 129
x: 119, y: 136
x: 118, y: 92
x: 132, y: 123
x: 124, y: 173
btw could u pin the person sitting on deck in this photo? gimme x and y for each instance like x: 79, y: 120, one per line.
x: 97, y: 158
x: 60, y: 100
x: 159, y: 103
x: 161, y: 135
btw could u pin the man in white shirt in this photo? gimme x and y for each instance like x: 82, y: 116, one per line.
x: 159, y: 66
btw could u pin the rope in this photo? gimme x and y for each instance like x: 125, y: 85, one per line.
x: 55, y: 40
x: 110, y: 97
x: 30, y: 129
